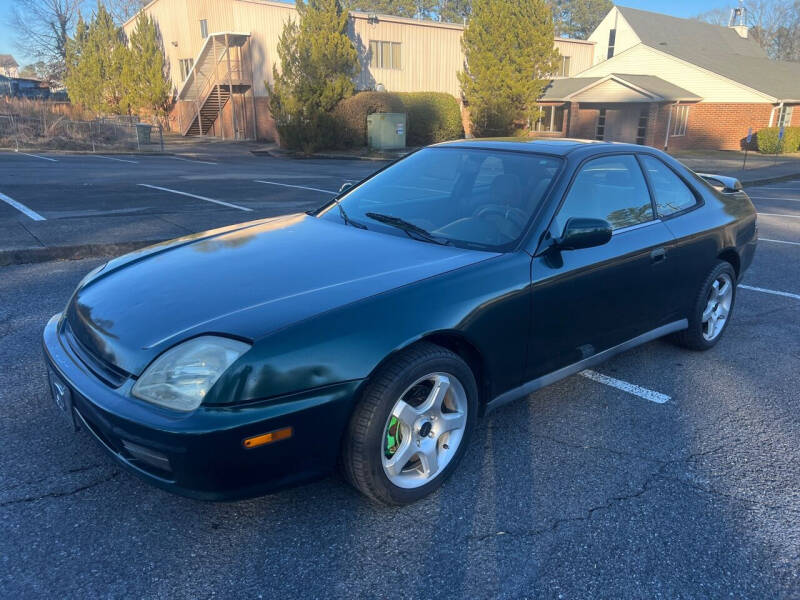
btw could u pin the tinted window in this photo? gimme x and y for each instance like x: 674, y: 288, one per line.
x: 672, y: 195
x: 611, y: 188
x: 463, y: 195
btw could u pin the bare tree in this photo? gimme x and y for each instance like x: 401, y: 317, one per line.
x: 122, y: 10
x: 43, y: 27
x: 774, y: 24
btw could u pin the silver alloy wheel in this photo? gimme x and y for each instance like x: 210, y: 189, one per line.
x: 717, y: 307
x: 425, y: 429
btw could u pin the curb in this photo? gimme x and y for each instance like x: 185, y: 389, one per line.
x: 37, y: 255
x: 767, y: 180
x: 280, y: 154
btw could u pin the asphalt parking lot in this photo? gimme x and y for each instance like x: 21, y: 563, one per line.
x: 665, y: 474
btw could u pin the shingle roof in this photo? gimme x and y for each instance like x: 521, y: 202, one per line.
x: 6, y: 60
x: 717, y: 49
x: 560, y: 89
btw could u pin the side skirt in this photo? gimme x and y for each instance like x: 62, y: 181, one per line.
x: 536, y: 384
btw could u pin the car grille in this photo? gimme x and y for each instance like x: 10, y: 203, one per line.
x: 110, y: 374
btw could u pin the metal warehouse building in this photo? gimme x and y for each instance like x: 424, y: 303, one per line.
x: 221, y: 53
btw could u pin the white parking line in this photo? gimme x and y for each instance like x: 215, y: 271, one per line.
x: 778, y: 215
x: 773, y: 292
x: 302, y: 187
x: 22, y: 208
x: 191, y: 160
x: 135, y: 162
x: 42, y: 157
x: 778, y: 241
x: 636, y: 390
x: 774, y: 198
x: 163, y: 189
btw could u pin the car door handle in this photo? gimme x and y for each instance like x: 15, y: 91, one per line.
x: 658, y: 255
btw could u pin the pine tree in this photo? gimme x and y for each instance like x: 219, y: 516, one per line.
x: 95, y: 60
x: 508, y: 45
x: 579, y: 18
x: 144, y: 80
x: 318, y: 64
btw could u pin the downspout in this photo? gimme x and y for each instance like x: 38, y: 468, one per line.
x: 669, y: 124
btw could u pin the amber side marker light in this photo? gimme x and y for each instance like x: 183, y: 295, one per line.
x: 268, y: 438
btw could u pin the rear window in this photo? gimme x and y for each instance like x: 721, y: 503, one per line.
x: 671, y: 193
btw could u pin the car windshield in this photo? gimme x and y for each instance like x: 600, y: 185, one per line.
x: 450, y: 195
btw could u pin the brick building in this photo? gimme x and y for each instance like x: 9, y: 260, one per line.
x: 672, y: 83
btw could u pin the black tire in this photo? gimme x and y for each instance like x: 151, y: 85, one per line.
x: 693, y: 338
x: 361, y: 457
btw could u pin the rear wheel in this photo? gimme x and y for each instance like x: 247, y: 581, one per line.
x: 712, y: 310
x: 412, y: 425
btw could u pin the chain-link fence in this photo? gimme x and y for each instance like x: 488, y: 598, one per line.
x: 48, y: 131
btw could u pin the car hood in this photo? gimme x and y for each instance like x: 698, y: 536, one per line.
x: 245, y: 281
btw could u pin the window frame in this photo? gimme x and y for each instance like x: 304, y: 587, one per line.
x: 681, y: 116
x: 612, y: 42
x: 204, y: 28
x: 785, y: 110
x: 579, y: 168
x: 565, y: 65
x: 377, y: 59
x: 185, y: 61
x: 698, y: 197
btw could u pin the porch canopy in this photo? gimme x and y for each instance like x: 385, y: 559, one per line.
x: 616, y: 88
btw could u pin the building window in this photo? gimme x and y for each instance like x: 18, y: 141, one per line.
x: 564, y: 69
x: 612, y: 39
x: 204, y: 28
x: 641, y: 132
x: 550, y: 120
x: 186, y: 66
x: 785, y: 116
x: 601, y: 125
x: 680, y: 120
x: 384, y: 55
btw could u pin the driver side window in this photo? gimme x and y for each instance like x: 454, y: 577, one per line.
x: 611, y: 188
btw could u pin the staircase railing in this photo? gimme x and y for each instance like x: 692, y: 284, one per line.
x: 228, y: 73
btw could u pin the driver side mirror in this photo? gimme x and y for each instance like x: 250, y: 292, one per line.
x: 584, y: 233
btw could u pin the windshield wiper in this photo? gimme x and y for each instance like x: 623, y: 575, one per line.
x: 347, y: 220
x: 408, y: 227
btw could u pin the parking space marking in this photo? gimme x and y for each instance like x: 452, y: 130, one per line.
x: 778, y: 215
x: 135, y: 162
x: 778, y: 241
x: 22, y: 208
x: 773, y: 292
x: 163, y: 189
x: 630, y: 388
x: 774, y: 198
x: 191, y: 160
x: 42, y: 157
x: 302, y: 187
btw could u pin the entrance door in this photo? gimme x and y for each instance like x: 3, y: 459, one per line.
x: 622, y: 123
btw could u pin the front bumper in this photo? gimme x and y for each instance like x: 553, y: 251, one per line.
x: 201, y: 454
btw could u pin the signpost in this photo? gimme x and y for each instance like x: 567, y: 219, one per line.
x: 747, y: 146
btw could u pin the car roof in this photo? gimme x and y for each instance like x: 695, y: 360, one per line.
x: 559, y: 146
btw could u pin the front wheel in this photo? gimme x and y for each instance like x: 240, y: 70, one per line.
x: 712, y: 310
x: 411, y: 426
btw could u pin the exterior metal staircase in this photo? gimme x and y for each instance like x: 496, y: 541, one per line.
x: 222, y: 70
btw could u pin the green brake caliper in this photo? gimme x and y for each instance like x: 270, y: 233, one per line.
x: 393, y: 437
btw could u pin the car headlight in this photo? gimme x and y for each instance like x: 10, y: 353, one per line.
x: 180, y: 378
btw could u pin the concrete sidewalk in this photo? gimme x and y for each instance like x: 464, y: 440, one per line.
x: 760, y: 168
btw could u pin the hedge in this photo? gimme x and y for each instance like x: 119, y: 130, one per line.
x: 432, y: 116
x: 351, y: 115
x: 768, y: 142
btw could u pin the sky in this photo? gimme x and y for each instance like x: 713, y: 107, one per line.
x: 677, y: 8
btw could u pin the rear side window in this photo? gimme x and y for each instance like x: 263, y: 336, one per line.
x: 611, y: 188
x: 671, y: 193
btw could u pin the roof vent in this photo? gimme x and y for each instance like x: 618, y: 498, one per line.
x: 738, y: 21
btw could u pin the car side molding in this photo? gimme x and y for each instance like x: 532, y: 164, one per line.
x: 592, y: 361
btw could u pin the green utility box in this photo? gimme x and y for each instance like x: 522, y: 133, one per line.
x: 143, y: 133
x: 386, y: 131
